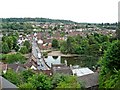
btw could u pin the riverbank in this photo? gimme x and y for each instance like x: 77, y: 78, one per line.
x: 58, y: 53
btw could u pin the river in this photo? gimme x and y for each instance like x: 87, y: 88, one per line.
x: 81, y: 61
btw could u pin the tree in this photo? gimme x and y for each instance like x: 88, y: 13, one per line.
x: 26, y: 86
x: 65, y: 81
x: 78, y: 38
x: 91, y: 39
x: 12, y: 58
x: 63, y: 47
x: 111, y: 59
x: 70, y: 43
x: 5, y: 48
x: 13, y: 77
x: 23, y: 50
x: 27, y: 44
x: 4, y: 38
x: 0, y: 47
x: 17, y: 48
x: 93, y: 49
x: 55, y: 43
x: 27, y: 74
x: 40, y: 81
x: 14, y: 38
x: 9, y: 41
x: 110, y: 67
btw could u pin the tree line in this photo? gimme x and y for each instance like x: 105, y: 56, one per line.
x: 16, y: 26
x: 94, y: 44
x: 36, y: 20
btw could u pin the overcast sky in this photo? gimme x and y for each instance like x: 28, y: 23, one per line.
x: 95, y: 11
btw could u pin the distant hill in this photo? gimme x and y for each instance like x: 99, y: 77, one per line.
x: 43, y: 20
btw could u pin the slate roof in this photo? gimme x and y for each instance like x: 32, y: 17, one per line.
x: 6, y: 85
x: 61, y: 68
x: 90, y: 80
x: 16, y: 67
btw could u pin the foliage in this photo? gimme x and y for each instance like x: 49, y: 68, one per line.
x: 28, y: 45
x: 5, y: 48
x: 65, y: 81
x: 40, y: 81
x: 26, y: 86
x: 17, y: 48
x: 94, y: 44
x: 111, y: 58
x: 2, y: 56
x: 55, y: 43
x: 70, y: 44
x: 45, y: 54
x: 29, y: 80
x: 63, y: 47
x: 13, y: 58
x: 16, y: 26
x: 9, y: 42
x: 14, y: 38
x: 110, y: 67
x: 23, y: 50
x: 13, y: 77
x: 27, y: 74
x: 35, y: 20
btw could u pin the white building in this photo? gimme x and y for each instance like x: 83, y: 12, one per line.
x: 82, y: 71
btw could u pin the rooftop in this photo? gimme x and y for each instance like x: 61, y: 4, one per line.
x: 82, y: 71
x: 61, y: 68
x: 5, y: 84
x: 90, y: 80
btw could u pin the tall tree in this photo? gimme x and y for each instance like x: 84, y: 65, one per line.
x: 9, y: 41
x: 13, y: 77
x: 28, y: 45
x: 65, y: 81
x: 110, y: 67
x: 5, y: 47
x: 13, y: 58
x: 70, y: 43
x: 55, y: 43
x: 24, y: 50
x: 40, y: 81
x: 27, y: 74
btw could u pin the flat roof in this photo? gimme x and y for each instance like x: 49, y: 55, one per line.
x: 82, y: 71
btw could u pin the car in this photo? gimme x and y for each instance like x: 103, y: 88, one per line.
x: 39, y: 55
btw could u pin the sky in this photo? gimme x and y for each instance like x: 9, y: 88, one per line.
x: 91, y: 11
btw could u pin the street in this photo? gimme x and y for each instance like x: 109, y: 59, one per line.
x: 40, y: 61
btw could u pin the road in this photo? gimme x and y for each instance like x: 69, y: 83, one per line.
x: 40, y: 62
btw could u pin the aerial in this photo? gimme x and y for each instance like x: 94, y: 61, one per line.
x: 64, y: 44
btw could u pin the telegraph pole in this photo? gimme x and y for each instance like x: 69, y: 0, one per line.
x: 118, y: 29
